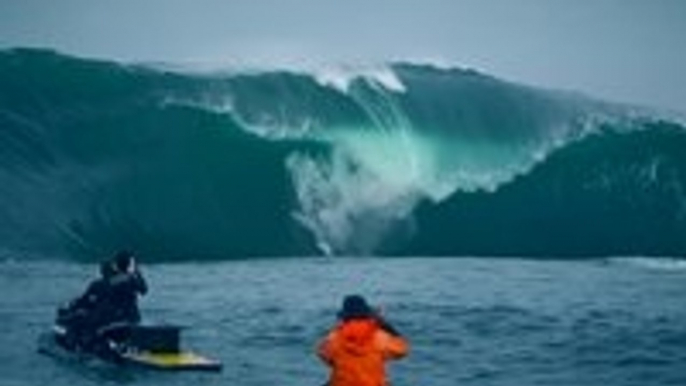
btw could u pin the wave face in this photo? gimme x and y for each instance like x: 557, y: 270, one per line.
x: 402, y: 159
x: 612, y: 193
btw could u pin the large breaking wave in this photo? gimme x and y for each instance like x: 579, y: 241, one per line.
x: 403, y: 159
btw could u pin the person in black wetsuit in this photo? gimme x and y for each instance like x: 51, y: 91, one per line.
x: 109, y: 301
x: 78, y: 316
x: 124, y: 288
x: 97, y: 289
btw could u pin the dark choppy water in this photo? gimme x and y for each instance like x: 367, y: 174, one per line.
x: 471, y: 321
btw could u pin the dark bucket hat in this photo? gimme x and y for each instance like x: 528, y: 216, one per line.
x: 355, y: 306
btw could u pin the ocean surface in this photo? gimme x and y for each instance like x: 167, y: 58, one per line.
x: 471, y: 321
x: 248, y: 193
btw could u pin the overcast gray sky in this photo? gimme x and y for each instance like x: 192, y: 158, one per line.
x: 623, y: 50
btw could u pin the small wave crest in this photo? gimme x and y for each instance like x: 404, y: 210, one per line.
x: 663, y: 264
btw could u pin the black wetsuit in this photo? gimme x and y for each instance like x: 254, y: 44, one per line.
x: 106, y: 302
x: 79, y: 317
x: 122, y: 297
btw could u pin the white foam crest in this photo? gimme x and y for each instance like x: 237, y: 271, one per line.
x: 668, y: 264
x: 269, y: 125
x: 341, y: 77
x: 337, y: 76
x: 347, y: 207
x: 218, y: 104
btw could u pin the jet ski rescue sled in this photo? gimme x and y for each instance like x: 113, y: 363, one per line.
x: 152, y: 347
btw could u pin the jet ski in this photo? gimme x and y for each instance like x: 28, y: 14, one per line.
x: 154, y: 347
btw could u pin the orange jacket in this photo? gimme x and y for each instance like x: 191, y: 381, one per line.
x: 356, y: 351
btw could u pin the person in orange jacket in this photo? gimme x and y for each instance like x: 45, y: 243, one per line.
x: 357, y: 348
